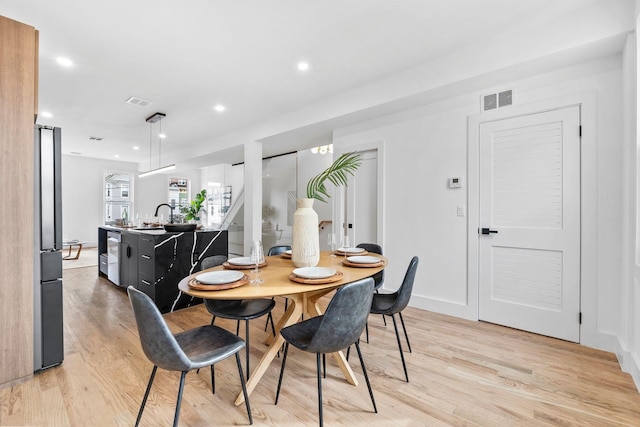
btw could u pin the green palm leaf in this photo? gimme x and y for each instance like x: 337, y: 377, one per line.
x: 337, y: 174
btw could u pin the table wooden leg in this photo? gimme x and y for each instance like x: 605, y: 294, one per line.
x: 291, y: 316
x: 281, y: 323
x: 77, y: 255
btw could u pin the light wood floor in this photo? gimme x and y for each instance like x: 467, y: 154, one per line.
x: 462, y: 373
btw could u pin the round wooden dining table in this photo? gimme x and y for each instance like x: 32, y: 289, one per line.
x: 303, y: 298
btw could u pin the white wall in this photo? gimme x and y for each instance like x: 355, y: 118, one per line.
x: 83, y: 195
x: 426, y: 146
x: 628, y: 345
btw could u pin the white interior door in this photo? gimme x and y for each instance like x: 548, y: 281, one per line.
x: 362, y: 200
x: 529, y: 275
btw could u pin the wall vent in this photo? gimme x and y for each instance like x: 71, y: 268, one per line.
x: 138, y: 101
x: 95, y: 138
x: 497, y: 100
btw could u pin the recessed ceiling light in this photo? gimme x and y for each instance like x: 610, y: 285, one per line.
x: 162, y: 135
x: 135, y: 147
x: 303, y: 66
x: 219, y: 108
x: 65, y: 62
x: 116, y: 155
x: 46, y: 114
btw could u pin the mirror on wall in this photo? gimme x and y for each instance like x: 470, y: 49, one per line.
x: 118, y: 198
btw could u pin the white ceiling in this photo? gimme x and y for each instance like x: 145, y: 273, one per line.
x: 186, y: 57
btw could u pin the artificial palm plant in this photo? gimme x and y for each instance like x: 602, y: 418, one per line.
x: 347, y: 163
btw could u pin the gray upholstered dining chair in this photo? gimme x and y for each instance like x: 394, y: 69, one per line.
x: 378, y: 278
x: 338, y: 328
x: 193, y: 349
x: 393, y: 303
x: 237, y: 309
x: 276, y: 250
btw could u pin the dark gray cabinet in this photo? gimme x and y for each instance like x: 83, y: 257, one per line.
x: 156, y: 262
x: 129, y: 260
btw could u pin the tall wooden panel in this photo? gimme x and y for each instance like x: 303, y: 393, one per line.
x: 18, y: 53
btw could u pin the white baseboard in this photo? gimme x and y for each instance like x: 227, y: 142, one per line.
x: 444, y: 307
x: 630, y: 363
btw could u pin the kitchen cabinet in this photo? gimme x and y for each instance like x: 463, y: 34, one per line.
x: 129, y: 260
x: 18, y: 109
x: 155, y: 261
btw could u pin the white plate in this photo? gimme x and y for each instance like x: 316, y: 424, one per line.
x: 219, y: 277
x: 241, y: 261
x: 288, y: 252
x: 363, y: 259
x: 351, y: 250
x: 314, y: 272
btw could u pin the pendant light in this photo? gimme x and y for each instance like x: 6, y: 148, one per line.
x: 157, y: 117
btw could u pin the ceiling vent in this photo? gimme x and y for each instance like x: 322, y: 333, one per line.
x: 497, y: 100
x: 138, y: 101
x: 95, y: 138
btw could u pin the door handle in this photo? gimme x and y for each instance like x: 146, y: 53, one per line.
x: 488, y: 231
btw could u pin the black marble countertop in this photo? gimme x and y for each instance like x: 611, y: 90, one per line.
x: 151, y: 230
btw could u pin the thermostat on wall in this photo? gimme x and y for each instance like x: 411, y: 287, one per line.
x: 455, y: 182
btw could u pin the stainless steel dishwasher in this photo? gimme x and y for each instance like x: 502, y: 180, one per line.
x: 113, y: 257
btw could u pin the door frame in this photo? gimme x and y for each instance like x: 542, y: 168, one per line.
x: 588, y: 203
x: 377, y: 145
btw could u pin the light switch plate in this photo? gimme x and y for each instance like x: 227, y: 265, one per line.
x: 461, y: 210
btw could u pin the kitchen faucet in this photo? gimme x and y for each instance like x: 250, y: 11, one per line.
x: 170, y: 207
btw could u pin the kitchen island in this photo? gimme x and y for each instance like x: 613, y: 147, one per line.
x: 154, y: 260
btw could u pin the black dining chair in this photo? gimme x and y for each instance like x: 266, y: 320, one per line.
x: 393, y: 303
x: 338, y: 328
x: 238, y: 310
x: 378, y: 278
x: 192, y: 349
x: 277, y: 250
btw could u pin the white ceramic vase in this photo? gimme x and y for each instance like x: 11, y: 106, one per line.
x: 305, y: 248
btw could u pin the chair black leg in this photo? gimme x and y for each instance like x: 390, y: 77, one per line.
x: 404, y: 366
x: 384, y: 319
x: 319, y: 388
x: 366, y: 377
x: 146, y: 394
x: 405, y: 331
x: 348, y: 351
x: 269, y: 318
x: 238, y: 328
x: 366, y: 328
x: 213, y: 319
x: 179, y: 402
x: 247, y: 347
x: 273, y: 328
x: 213, y: 380
x: 284, y: 360
x: 324, y: 365
x: 244, y: 388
